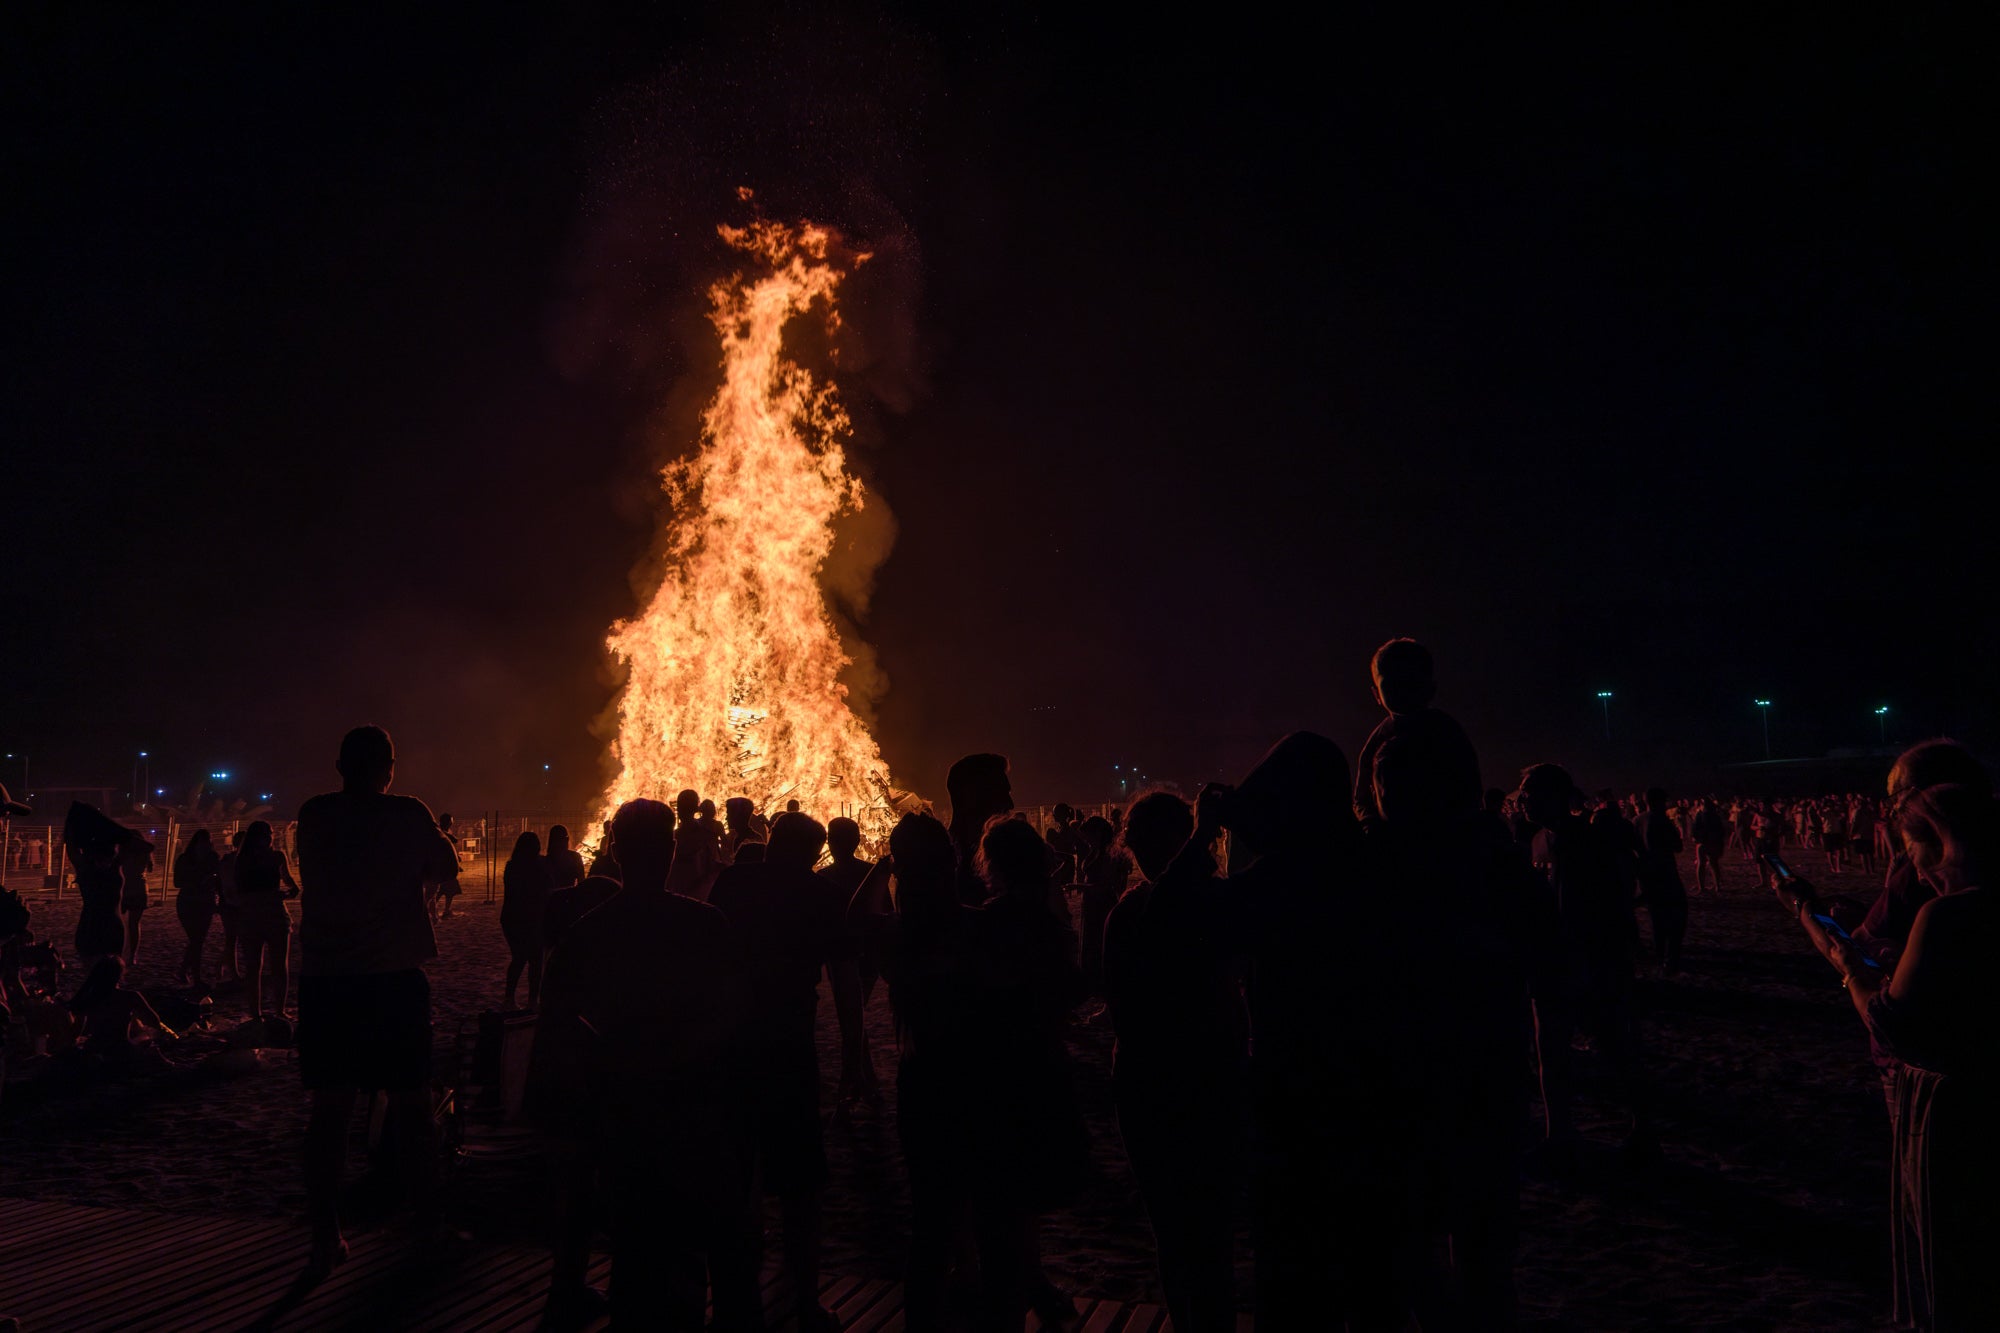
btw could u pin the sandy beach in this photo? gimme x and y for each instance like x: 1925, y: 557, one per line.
x: 1768, y: 1213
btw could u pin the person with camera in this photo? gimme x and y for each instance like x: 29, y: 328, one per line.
x: 1934, y: 1012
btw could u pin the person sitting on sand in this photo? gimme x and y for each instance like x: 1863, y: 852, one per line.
x: 644, y: 1007
x: 107, y: 1008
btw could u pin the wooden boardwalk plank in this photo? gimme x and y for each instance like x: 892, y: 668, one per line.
x: 110, y: 1270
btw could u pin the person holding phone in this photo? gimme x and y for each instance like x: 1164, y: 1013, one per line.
x: 1936, y: 1013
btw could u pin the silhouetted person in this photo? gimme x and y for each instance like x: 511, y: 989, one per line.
x: 1039, y: 1146
x: 791, y: 925
x: 749, y: 852
x: 1660, y: 880
x: 107, y: 1008
x: 1710, y: 834
x: 524, y: 901
x: 791, y: 807
x: 604, y: 863
x: 564, y: 862
x: 1405, y: 682
x: 739, y: 814
x: 697, y: 848
x: 364, y: 1001
x: 845, y: 870
x: 1885, y: 931
x: 929, y: 957
x: 448, y: 886
x: 1178, y: 1070
x: 1457, y: 901
x: 93, y: 843
x: 644, y: 1008
x: 1934, y: 1012
x: 197, y: 881
x: 263, y: 883
x: 229, y: 908
x: 1330, y: 1163
x: 1585, y: 980
x: 978, y: 789
x: 135, y: 859
x: 1104, y: 872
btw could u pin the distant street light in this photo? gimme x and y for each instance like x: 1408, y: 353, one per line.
x: 1604, y: 697
x: 1882, y: 721
x: 1764, y: 708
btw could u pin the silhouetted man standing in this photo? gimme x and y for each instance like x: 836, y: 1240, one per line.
x: 791, y: 923
x: 1585, y: 979
x: 643, y: 1008
x: 364, y: 1001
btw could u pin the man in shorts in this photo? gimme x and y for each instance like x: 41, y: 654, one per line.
x: 364, y: 1001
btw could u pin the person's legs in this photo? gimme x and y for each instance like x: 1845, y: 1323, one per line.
x: 281, y: 967
x: 195, y: 922
x: 132, y: 916
x: 232, y: 969
x: 253, y: 971
x: 1555, y: 1025
x: 800, y: 1216
x: 325, y: 1160
x: 534, y: 978
x: 415, y: 1132
x: 572, y: 1189
x: 514, y: 966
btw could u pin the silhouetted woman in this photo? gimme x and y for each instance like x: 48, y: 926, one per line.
x: 1938, y: 1016
x: 1038, y: 1148
x: 135, y: 858
x: 564, y: 862
x: 197, y: 881
x: 263, y: 882
x: 524, y: 898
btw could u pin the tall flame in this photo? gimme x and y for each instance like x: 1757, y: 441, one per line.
x: 734, y: 669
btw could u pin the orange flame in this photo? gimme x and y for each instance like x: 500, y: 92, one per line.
x: 733, y: 686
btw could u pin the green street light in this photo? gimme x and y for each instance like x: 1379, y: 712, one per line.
x: 1604, y: 697
x: 1764, y: 708
x: 1882, y: 722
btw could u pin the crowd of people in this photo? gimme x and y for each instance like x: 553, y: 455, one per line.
x: 1326, y: 985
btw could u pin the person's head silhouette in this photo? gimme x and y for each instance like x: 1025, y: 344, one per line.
x: 796, y: 841
x: 925, y: 866
x: 1156, y: 827
x: 1547, y: 793
x: 642, y: 838
x: 367, y: 760
x: 791, y: 807
x: 843, y: 836
x: 559, y: 839
x: 1405, y: 678
x: 687, y: 803
x: 736, y: 812
x: 1014, y: 860
x: 978, y: 788
x: 1296, y: 798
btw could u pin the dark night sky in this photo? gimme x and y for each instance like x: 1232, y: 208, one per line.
x: 340, y: 353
